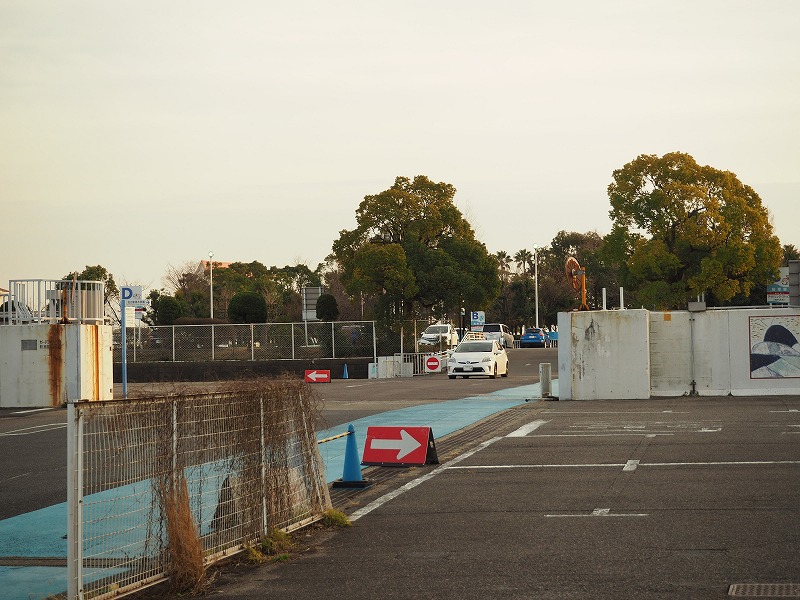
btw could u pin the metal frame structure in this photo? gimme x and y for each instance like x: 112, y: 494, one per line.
x: 53, y: 301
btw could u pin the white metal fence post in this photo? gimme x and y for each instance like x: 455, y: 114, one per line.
x: 174, y: 441
x: 173, y: 343
x: 374, y: 345
x: 265, y: 529
x: 74, y: 503
x: 252, y: 344
x: 333, y: 341
x: 292, y: 341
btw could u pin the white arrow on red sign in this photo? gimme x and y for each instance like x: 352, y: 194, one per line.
x: 318, y: 376
x: 399, y: 446
x: 405, y: 445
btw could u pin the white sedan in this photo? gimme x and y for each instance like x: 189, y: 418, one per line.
x: 478, y: 357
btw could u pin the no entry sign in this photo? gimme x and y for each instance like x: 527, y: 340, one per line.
x: 318, y: 376
x: 433, y: 364
x: 402, y: 446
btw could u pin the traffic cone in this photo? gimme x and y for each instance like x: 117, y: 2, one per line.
x: 344, y: 373
x: 351, y: 476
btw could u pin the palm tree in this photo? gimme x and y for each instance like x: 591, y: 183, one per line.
x: 504, y: 260
x: 524, y: 258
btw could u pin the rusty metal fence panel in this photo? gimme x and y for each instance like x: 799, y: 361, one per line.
x: 147, y: 476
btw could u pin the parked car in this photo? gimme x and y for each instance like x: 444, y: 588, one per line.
x: 478, y: 357
x: 439, y: 335
x: 499, y: 332
x: 534, y: 337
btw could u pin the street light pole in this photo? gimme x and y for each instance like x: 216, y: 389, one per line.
x: 211, y: 280
x: 536, y: 281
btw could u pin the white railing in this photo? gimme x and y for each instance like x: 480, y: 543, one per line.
x: 53, y: 301
x: 149, y: 477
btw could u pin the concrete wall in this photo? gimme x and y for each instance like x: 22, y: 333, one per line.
x: 357, y: 368
x: 603, y: 355
x: 715, y: 352
x: 43, y: 365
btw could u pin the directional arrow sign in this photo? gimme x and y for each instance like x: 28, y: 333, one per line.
x: 404, y: 446
x: 318, y: 376
x: 399, y: 446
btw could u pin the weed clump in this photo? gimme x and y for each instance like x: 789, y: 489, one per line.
x: 335, y: 518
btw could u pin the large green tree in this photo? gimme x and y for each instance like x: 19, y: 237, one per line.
x: 413, y: 249
x: 247, y: 307
x: 681, y: 229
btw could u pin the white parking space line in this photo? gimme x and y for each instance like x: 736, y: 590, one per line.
x: 412, y: 484
x: 642, y: 434
x: 526, y: 429
x: 32, y: 410
x: 597, y: 512
x: 34, y: 430
x: 736, y: 463
x: 578, y: 466
x: 630, y: 465
x: 611, y: 412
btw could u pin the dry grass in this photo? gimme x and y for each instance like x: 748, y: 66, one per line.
x: 186, y: 569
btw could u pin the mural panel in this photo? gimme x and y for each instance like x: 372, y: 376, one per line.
x: 774, y: 347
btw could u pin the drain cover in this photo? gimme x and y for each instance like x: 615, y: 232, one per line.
x: 765, y: 590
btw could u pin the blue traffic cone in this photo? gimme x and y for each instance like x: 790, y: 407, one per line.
x: 344, y: 373
x: 351, y: 476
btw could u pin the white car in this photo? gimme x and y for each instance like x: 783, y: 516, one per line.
x: 440, y: 334
x: 478, y: 357
x: 499, y: 332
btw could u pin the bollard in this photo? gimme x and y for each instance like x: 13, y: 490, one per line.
x: 544, y: 379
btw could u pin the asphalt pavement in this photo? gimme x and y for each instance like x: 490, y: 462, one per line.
x: 660, y: 498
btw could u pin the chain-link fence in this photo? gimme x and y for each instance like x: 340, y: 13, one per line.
x: 268, y: 341
x: 152, y: 479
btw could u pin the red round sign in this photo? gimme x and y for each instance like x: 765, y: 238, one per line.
x: 432, y: 363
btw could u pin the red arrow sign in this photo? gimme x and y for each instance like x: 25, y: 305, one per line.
x: 399, y: 446
x: 318, y: 376
x: 432, y: 363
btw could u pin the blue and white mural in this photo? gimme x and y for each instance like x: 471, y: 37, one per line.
x: 774, y: 347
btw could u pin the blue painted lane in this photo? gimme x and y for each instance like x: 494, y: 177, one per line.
x: 442, y: 417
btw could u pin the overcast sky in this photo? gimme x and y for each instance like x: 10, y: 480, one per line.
x: 139, y: 135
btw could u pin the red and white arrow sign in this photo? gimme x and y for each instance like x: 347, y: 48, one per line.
x: 404, y: 446
x: 318, y: 376
x: 399, y: 446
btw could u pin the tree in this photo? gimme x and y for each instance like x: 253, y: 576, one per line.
x: 189, y: 285
x: 524, y: 259
x: 413, y: 251
x: 164, y: 309
x: 247, y: 307
x: 504, y: 261
x: 97, y: 273
x: 683, y: 230
x: 790, y: 252
x: 500, y: 309
x: 327, y: 308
